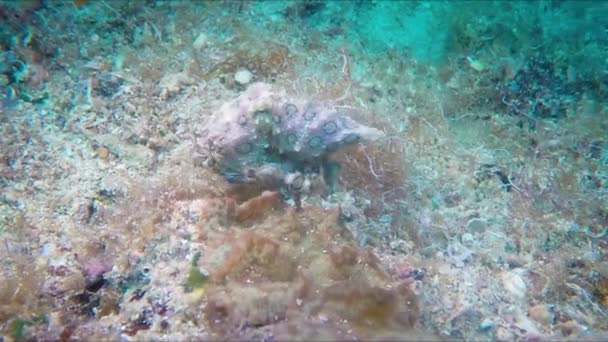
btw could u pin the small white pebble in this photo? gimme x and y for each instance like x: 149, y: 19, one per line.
x: 503, y: 334
x: 514, y: 284
x: 200, y: 42
x: 475, y: 64
x: 243, y: 76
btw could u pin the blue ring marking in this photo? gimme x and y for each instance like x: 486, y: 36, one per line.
x: 330, y: 128
x: 315, y: 142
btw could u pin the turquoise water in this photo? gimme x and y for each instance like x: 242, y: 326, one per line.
x: 303, y: 170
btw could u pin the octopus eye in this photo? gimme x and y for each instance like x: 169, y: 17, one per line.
x: 294, y: 181
x: 351, y: 138
x: 297, y: 182
x: 242, y: 120
x: 290, y: 110
x: 315, y: 142
x: 244, y: 148
x: 330, y: 128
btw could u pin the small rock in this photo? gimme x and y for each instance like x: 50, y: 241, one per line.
x: 467, y: 239
x: 514, y: 261
x: 475, y: 64
x: 243, y: 76
x: 486, y: 325
x: 541, y: 314
x: 476, y: 225
x: 19, y: 220
x: 200, y: 42
x: 514, y: 284
x: 108, y: 85
x: 569, y: 328
x: 97, y: 64
x: 103, y: 153
x: 503, y: 334
x: 172, y: 84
